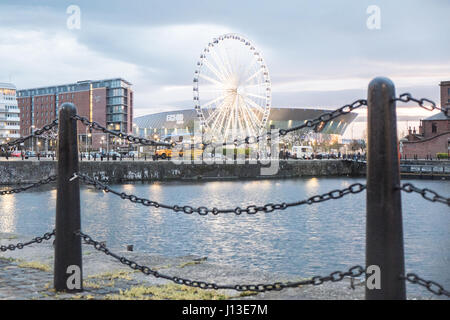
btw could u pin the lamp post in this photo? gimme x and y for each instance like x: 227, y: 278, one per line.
x: 89, y: 137
x: 102, y: 140
x: 32, y: 138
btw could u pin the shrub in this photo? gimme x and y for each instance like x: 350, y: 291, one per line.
x: 442, y: 155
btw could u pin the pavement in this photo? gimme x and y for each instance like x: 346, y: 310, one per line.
x: 27, y: 274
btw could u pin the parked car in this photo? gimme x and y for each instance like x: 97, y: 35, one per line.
x: 30, y: 154
x: 16, y: 153
x: 132, y: 154
x: 302, y: 152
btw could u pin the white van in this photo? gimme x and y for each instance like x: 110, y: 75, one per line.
x: 302, y: 152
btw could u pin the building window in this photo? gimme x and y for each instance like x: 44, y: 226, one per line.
x: 433, y: 128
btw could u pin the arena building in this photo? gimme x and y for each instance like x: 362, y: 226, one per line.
x: 163, y: 125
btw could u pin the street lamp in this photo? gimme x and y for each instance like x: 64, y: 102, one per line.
x: 102, y: 140
x: 87, y: 143
x: 32, y: 138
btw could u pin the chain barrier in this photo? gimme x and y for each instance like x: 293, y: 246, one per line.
x: 20, y: 245
x: 407, y: 97
x: 37, y: 133
x: 426, y: 193
x: 323, y: 118
x: 431, y: 286
x: 34, y: 185
x: 252, y: 209
x: 96, y: 126
x: 353, y: 272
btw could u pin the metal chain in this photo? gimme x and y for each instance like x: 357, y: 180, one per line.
x: 96, y: 126
x: 20, y: 245
x: 34, y: 185
x: 37, y: 133
x: 426, y: 193
x: 353, y: 272
x: 325, y: 117
x: 252, y: 209
x: 407, y: 97
x: 431, y: 286
x: 328, y: 116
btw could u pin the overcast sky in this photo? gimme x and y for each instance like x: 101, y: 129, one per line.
x: 319, y: 53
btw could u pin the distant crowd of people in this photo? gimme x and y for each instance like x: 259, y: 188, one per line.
x: 286, y: 154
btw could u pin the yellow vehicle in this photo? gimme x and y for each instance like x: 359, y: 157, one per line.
x: 166, y: 153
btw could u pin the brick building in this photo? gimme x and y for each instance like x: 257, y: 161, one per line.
x: 108, y: 102
x: 434, y: 132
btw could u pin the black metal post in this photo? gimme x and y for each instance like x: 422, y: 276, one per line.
x: 384, y: 231
x: 68, y: 260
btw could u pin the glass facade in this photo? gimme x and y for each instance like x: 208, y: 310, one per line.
x: 9, y: 113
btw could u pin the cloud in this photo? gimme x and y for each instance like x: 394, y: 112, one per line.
x: 36, y: 59
x: 319, y: 53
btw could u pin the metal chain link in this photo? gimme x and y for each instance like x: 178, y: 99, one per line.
x: 96, y: 126
x: 426, y: 193
x: 20, y: 245
x: 325, y: 117
x: 431, y: 286
x: 353, y: 272
x: 407, y: 97
x: 328, y: 116
x: 34, y: 185
x: 37, y: 133
x: 252, y: 209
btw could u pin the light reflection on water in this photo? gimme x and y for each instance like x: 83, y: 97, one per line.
x: 303, y: 241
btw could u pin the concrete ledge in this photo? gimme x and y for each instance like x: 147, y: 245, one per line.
x: 20, y: 172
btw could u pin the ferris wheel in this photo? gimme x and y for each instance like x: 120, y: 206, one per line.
x: 232, y: 89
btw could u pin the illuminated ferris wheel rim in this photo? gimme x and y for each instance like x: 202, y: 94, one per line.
x: 242, y: 103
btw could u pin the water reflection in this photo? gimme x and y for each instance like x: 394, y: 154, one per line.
x: 7, y: 217
x: 301, y: 241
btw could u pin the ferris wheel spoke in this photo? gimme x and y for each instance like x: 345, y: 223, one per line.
x: 251, y: 65
x: 215, y: 114
x: 221, y: 115
x: 256, y: 122
x: 227, y: 62
x: 220, y: 64
x: 245, y: 115
x: 213, y: 101
x: 255, y: 85
x: 253, y: 75
x: 256, y: 107
x: 231, y: 115
x: 210, y: 79
x: 219, y: 75
x: 255, y: 95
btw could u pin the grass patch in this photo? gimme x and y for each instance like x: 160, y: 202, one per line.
x: 125, y: 275
x: 9, y: 259
x: 169, y: 291
x: 36, y: 265
x: 248, y: 293
x: 189, y: 263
